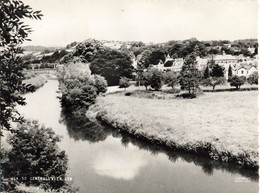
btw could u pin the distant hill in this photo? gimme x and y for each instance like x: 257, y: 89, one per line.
x: 39, y: 48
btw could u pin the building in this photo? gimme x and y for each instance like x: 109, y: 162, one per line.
x: 177, y: 63
x: 245, y: 69
x: 240, y: 65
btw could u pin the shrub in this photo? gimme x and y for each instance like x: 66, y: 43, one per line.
x: 237, y: 81
x: 253, y: 78
x: 156, y: 78
x: 146, y: 79
x: 171, y: 79
x: 35, y: 153
x: 100, y: 84
x: 78, y: 87
x: 124, y: 82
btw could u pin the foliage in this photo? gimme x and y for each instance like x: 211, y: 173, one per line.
x: 88, y: 49
x: 237, y: 81
x: 189, y: 76
x: 146, y: 79
x: 35, y: 153
x: 253, y: 78
x: 152, y: 55
x: 72, y: 44
x: 214, y: 81
x: 229, y: 72
x: 171, y: 79
x: 206, y: 73
x: 13, y: 32
x: 81, y: 128
x: 100, y: 84
x: 55, y: 57
x: 213, y: 77
x: 77, y: 86
x: 112, y: 65
x: 124, y: 82
x: 156, y: 78
x: 217, y: 71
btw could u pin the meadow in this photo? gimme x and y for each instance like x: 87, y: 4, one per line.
x: 222, y: 126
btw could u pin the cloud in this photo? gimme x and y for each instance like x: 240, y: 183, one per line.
x: 65, y: 21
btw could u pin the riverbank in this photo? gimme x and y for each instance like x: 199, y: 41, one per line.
x: 222, y: 126
x: 37, y: 81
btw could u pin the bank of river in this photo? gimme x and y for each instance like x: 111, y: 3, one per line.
x: 104, y: 160
x: 222, y: 126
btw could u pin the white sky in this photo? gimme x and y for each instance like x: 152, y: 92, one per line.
x: 155, y: 21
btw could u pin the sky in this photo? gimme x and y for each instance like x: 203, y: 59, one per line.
x: 157, y: 21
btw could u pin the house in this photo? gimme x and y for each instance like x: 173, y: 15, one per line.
x: 225, y: 60
x: 177, y: 63
x: 170, y: 64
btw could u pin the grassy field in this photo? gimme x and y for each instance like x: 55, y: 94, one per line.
x: 223, y: 126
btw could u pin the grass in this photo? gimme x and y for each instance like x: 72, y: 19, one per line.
x: 221, y: 125
x: 37, y: 80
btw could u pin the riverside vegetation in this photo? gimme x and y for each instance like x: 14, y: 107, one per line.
x: 222, y: 126
x: 217, y: 125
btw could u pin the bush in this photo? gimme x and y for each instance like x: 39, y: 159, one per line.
x: 100, y: 84
x: 146, y: 79
x: 156, y: 78
x: 171, y: 79
x: 124, y: 82
x: 253, y: 78
x: 78, y: 87
x: 35, y: 153
x: 237, y: 81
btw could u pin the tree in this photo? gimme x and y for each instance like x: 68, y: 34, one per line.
x: 237, y: 81
x: 13, y: 32
x: 214, y: 81
x: 189, y: 75
x: 124, y: 82
x: 112, y: 64
x: 88, y: 49
x: 253, y: 78
x: 156, y: 78
x: 34, y: 153
x: 171, y: 78
x: 216, y: 76
x: 77, y: 86
x: 100, y: 84
x: 229, y: 73
x: 217, y: 71
x: 146, y: 79
x: 206, y: 73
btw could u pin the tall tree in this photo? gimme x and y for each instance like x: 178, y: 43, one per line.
x: 189, y: 75
x: 229, y: 72
x: 13, y: 32
x: 112, y: 64
x: 206, y: 73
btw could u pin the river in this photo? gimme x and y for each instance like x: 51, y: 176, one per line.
x: 103, y: 160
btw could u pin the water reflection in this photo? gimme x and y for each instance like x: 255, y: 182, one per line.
x: 127, y: 165
x: 80, y: 128
x: 118, y: 164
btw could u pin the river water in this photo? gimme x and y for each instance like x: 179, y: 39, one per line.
x: 102, y: 160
